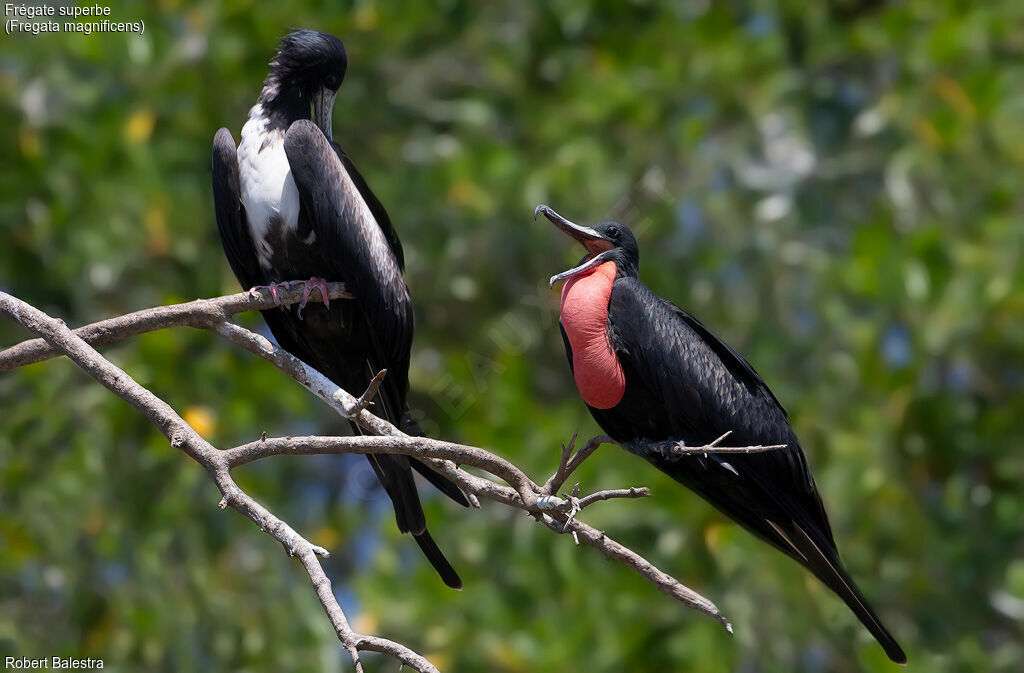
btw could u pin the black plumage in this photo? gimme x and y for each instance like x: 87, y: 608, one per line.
x: 683, y: 383
x: 291, y: 205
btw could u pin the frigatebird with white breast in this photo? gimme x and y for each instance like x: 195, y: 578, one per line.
x: 291, y: 205
x: 650, y: 373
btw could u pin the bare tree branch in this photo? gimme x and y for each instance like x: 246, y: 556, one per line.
x: 182, y: 436
x: 201, y: 313
x: 518, y: 490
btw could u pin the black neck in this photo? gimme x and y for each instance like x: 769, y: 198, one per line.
x: 282, y: 104
x: 626, y: 265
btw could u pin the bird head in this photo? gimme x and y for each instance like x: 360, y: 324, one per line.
x: 309, y: 68
x: 604, y: 242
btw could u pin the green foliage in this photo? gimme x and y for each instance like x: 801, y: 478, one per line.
x: 833, y: 187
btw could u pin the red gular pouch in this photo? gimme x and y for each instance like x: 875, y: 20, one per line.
x: 584, y: 311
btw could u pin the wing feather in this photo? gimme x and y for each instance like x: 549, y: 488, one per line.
x: 356, y: 245
x: 231, y: 222
x: 701, y: 388
x: 688, y: 384
x: 374, y: 204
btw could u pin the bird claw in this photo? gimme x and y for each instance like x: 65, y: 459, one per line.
x: 677, y: 449
x: 645, y: 448
x: 314, y: 283
x: 256, y: 290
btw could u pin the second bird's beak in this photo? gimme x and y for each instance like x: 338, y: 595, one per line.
x: 598, y: 247
x: 323, y: 106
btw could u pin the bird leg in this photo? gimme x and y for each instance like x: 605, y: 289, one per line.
x: 638, y: 447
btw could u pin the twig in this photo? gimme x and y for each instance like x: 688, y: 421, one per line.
x: 366, y: 399
x: 559, y: 476
x: 675, y: 450
x: 572, y: 504
x: 632, y: 492
x: 665, y: 449
x: 663, y: 581
x: 568, y: 466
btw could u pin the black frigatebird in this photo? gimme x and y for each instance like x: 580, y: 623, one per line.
x: 650, y: 372
x: 290, y: 204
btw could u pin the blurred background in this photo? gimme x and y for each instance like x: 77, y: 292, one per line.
x: 835, y: 188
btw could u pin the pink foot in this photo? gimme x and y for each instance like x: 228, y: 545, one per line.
x: 314, y: 283
x: 255, y: 290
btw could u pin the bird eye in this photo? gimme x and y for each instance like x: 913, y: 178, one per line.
x: 613, y: 232
x: 332, y: 81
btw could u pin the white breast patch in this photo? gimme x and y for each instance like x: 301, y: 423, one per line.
x: 268, y: 189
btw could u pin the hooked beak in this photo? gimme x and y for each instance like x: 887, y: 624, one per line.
x: 591, y: 240
x: 598, y: 247
x: 323, y: 105
x: 586, y: 264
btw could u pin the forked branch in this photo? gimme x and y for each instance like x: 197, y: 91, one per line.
x: 501, y: 481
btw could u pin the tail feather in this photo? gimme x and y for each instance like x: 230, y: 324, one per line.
x: 798, y: 527
x: 442, y: 483
x: 437, y: 559
x: 827, y: 567
x: 400, y: 486
x: 397, y: 479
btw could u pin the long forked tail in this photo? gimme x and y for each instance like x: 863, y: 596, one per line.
x: 437, y: 559
x: 825, y: 565
x: 396, y: 477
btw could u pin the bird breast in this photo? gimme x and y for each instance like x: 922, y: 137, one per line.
x: 584, y: 311
x: 269, y: 194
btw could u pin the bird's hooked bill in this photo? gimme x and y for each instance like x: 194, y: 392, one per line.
x: 586, y: 264
x: 596, y: 244
x: 323, y: 106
